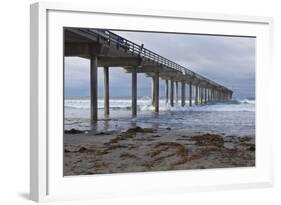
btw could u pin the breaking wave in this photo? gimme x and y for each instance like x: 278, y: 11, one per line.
x: 145, y: 104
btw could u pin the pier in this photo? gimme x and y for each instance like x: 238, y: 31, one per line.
x: 106, y: 49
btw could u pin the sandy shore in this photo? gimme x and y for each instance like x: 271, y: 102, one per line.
x: 145, y: 149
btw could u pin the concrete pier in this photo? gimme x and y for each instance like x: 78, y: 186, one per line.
x: 190, y: 93
x: 108, y: 50
x: 167, y: 90
x: 196, y: 94
x: 156, y: 91
x: 94, y: 88
x: 106, y: 91
x: 205, y: 95
x: 134, y: 92
x: 183, y: 94
x: 201, y: 95
x: 153, y: 90
x: 177, y: 92
x: 172, y: 93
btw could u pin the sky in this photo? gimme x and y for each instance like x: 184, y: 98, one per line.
x: 229, y: 61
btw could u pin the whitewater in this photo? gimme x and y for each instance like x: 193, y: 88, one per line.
x: 234, y: 117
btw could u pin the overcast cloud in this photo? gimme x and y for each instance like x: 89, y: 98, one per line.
x: 229, y: 61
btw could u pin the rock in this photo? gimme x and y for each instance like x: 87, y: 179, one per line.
x: 83, y: 149
x: 252, y: 148
x: 245, y: 139
x: 66, y: 150
x: 208, y: 140
x: 100, y: 133
x: 73, y: 131
x: 139, y: 129
x: 168, y: 128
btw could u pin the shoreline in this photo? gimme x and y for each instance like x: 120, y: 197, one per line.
x: 141, y: 149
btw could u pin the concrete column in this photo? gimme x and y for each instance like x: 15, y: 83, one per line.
x: 156, y: 97
x: 196, y: 95
x: 106, y: 91
x: 172, y: 93
x: 167, y: 90
x: 190, y: 93
x: 205, y: 95
x: 177, y: 92
x: 134, y: 92
x: 201, y: 95
x: 153, y: 90
x: 94, y: 88
x: 182, y: 94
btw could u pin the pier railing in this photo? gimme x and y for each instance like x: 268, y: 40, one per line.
x: 110, y: 38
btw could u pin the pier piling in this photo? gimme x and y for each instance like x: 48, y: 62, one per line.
x: 177, y: 92
x: 94, y: 88
x: 106, y: 91
x: 156, y: 106
x: 172, y: 93
x: 190, y: 93
x: 182, y: 93
x: 134, y: 92
x: 167, y: 90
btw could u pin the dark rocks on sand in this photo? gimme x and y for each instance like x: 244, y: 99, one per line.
x: 208, y: 139
x: 73, y: 131
x: 139, y: 129
x: 252, y: 148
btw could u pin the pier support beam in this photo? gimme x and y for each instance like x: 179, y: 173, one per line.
x: 201, y: 95
x: 183, y: 94
x: 106, y: 91
x: 177, y: 92
x: 134, y: 92
x: 167, y: 90
x: 205, y: 96
x: 190, y: 93
x: 196, y: 95
x: 156, y: 91
x: 94, y: 88
x: 172, y: 93
x: 153, y: 90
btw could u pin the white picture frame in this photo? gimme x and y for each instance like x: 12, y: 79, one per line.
x: 46, y: 49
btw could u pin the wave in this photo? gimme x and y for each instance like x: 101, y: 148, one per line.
x: 145, y: 104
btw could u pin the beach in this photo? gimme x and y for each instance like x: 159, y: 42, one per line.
x: 219, y: 135
x: 146, y: 149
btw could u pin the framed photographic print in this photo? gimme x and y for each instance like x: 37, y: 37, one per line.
x: 127, y: 102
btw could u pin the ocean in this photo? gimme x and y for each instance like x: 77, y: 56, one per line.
x: 234, y: 117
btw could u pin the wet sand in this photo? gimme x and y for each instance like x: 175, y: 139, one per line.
x: 146, y: 149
